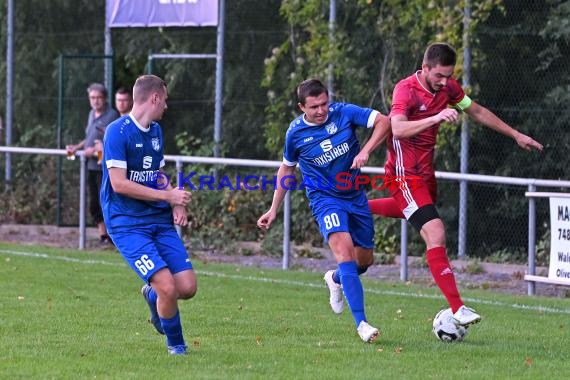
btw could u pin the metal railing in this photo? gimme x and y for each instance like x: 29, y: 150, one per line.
x: 531, y: 271
x: 531, y: 185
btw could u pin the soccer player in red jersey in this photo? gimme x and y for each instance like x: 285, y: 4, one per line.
x: 420, y: 103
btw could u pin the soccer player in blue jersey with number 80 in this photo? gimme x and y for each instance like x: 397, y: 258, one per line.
x: 323, y: 143
x: 140, y: 210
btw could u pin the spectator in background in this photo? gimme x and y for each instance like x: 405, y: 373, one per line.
x: 123, y: 101
x: 101, y: 115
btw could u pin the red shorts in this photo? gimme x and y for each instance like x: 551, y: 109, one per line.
x: 412, y: 192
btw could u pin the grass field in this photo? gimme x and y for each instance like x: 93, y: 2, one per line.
x: 68, y: 314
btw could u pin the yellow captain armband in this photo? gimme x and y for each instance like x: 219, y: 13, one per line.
x: 463, y: 104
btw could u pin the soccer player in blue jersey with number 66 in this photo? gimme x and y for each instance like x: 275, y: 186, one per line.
x: 140, y: 209
x: 323, y: 143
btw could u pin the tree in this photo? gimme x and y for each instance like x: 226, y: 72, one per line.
x: 44, y: 30
x: 375, y: 44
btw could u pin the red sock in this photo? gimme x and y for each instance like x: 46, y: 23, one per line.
x: 387, y: 207
x: 443, y: 275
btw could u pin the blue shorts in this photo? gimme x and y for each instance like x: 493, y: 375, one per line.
x: 345, y: 215
x: 148, y: 249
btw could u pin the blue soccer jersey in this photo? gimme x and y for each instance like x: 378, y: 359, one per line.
x: 127, y: 145
x: 325, y: 152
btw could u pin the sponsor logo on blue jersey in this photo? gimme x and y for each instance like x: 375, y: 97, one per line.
x: 143, y: 176
x: 330, y: 152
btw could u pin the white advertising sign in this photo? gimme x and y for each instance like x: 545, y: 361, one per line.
x: 560, y: 239
x: 161, y: 13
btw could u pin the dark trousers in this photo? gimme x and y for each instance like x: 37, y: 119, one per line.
x: 94, y: 178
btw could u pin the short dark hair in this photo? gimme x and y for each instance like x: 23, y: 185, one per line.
x: 440, y: 53
x: 124, y: 90
x: 145, y: 85
x: 97, y: 87
x: 310, y: 87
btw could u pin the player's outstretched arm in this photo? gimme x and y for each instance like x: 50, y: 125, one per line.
x: 266, y: 219
x: 379, y: 134
x: 527, y: 142
x: 484, y: 116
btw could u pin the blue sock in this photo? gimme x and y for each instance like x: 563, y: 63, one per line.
x: 173, y: 330
x: 336, y: 276
x: 152, y: 296
x: 353, y: 291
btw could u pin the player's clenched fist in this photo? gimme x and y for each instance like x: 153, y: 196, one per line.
x: 448, y: 114
x: 266, y: 220
x: 360, y: 160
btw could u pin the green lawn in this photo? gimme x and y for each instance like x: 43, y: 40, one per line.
x: 67, y: 314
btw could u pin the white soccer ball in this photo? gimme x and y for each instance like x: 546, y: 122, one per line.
x: 445, y: 329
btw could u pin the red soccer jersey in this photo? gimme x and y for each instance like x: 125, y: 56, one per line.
x: 413, y: 156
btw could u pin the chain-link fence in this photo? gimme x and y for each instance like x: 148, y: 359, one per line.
x: 520, y: 71
x: 520, y: 67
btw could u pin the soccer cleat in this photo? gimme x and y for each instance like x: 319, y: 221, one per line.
x: 367, y: 333
x: 177, y: 350
x: 466, y: 316
x: 154, y: 318
x: 335, y: 289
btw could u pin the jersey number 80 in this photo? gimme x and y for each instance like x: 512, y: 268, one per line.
x: 331, y: 221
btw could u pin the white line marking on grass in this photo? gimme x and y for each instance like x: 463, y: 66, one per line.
x: 545, y: 309
x: 60, y: 258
